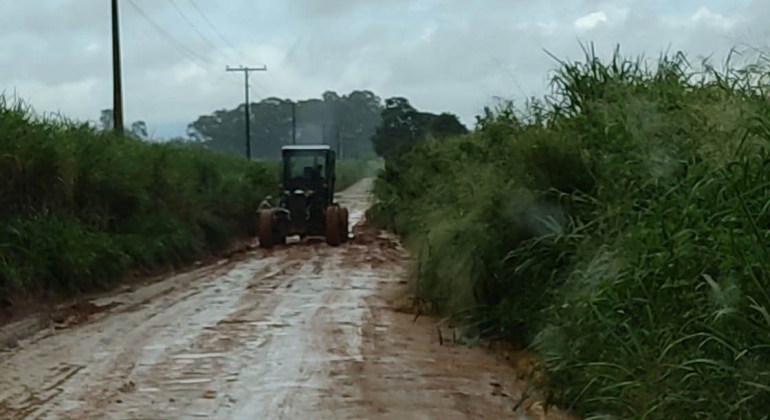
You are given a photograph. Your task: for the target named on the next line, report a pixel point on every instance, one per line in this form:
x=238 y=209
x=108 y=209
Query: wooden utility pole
x=246 y=71
x=339 y=144
x=294 y=123
x=117 y=78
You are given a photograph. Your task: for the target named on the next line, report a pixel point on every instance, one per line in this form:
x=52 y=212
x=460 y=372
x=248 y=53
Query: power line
x=168 y=36
x=192 y=25
x=217 y=31
x=214 y=28
x=187 y=52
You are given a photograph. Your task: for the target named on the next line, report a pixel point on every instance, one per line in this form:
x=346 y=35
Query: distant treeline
x=359 y=125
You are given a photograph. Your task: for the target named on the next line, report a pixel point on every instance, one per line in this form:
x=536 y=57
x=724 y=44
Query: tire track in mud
x=187 y=380
x=111 y=348
x=303 y=331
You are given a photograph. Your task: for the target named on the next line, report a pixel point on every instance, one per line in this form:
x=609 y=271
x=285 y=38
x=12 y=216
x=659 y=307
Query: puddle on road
x=198 y=356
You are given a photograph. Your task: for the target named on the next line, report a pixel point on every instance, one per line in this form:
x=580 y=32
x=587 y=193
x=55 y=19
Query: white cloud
x=427 y=33
x=590 y=21
x=704 y=17
x=617 y=14
x=93 y=47
x=548 y=28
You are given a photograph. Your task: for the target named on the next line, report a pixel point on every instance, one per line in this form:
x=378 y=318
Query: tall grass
x=619 y=227
x=78 y=207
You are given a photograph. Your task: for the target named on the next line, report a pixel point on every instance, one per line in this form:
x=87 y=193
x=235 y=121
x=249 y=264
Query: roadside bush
x=619 y=227
x=79 y=207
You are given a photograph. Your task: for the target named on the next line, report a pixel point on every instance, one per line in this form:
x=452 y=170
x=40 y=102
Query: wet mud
x=304 y=331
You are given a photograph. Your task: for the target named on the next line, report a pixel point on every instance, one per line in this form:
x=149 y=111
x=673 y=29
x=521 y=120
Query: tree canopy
x=403 y=125
x=346 y=122
x=358 y=125
x=138 y=129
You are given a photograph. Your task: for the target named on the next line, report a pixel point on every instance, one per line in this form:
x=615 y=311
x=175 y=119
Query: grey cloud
x=449 y=55
x=342 y=8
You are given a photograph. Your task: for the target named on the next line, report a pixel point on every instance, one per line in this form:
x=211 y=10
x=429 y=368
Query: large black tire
x=333 y=225
x=266 y=237
x=345 y=219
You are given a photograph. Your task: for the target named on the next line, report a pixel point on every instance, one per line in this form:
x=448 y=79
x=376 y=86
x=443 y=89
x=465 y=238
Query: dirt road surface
x=305 y=331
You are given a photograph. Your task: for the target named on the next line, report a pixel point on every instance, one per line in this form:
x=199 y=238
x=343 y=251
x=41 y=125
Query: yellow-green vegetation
x=619 y=228
x=80 y=207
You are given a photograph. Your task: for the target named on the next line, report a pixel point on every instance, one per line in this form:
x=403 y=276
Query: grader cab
x=306 y=206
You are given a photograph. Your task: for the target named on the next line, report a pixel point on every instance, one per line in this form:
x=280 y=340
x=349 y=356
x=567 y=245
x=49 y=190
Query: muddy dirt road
x=300 y=332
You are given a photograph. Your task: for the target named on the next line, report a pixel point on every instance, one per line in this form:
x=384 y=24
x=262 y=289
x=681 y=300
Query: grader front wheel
x=265 y=229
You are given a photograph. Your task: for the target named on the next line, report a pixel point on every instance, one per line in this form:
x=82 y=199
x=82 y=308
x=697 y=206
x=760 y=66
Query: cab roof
x=307 y=147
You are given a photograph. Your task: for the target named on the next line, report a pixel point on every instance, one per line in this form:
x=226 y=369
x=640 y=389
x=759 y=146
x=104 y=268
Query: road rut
x=305 y=331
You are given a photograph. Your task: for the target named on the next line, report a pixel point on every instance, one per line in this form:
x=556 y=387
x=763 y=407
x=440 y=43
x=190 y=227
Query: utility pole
x=117 y=78
x=324 y=133
x=339 y=144
x=294 y=123
x=246 y=71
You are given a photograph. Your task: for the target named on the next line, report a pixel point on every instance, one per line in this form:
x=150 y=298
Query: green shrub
x=620 y=228
x=79 y=207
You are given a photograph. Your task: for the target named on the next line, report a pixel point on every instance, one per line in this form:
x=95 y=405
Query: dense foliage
x=357 y=126
x=403 y=125
x=80 y=207
x=619 y=227
x=346 y=122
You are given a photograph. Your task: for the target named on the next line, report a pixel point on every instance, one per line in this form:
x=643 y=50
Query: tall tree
x=357 y=117
x=107 y=123
x=446 y=125
x=139 y=129
x=107 y=119
x=400 y=127
x=403 y=125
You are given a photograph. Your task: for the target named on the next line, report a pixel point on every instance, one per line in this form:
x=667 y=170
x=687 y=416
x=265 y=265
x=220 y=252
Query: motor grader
x=306 y=206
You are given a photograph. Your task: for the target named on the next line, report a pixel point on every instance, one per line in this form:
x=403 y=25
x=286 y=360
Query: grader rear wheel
x=333 y=226
x=345 y=221
x=265 y=229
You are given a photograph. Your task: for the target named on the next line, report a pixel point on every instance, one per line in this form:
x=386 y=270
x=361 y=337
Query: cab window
x=305 y=165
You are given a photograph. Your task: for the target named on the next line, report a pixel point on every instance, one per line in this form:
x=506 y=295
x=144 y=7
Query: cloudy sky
x=445 y=55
